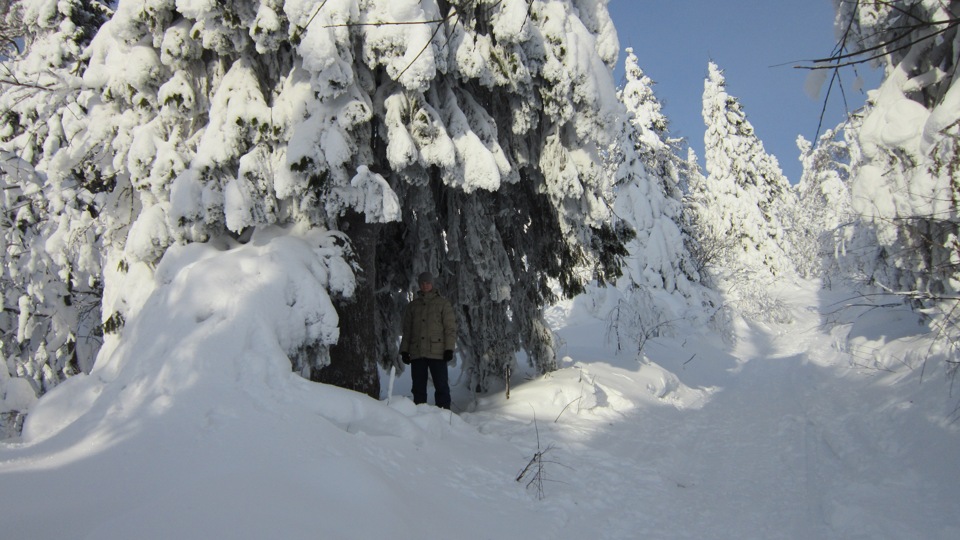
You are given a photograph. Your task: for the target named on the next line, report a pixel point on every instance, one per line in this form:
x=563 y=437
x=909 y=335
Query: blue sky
x=675 y=39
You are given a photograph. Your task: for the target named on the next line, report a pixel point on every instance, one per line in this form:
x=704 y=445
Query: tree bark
x=353 y=360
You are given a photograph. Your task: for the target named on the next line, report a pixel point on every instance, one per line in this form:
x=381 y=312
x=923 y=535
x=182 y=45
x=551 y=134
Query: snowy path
x=799 y=431
x=787 y=443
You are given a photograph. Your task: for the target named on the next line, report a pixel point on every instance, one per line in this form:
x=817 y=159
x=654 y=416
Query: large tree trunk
x=353 y=360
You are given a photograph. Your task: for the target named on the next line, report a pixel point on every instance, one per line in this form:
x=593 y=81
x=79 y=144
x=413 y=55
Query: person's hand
x=448 y=355
x=405 y=357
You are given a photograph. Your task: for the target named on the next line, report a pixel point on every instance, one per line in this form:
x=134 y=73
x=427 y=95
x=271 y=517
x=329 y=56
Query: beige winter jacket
x=429 y=327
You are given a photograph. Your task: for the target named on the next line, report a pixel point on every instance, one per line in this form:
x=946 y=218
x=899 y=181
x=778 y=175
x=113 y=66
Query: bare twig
x=565 y=408
x=535 y=465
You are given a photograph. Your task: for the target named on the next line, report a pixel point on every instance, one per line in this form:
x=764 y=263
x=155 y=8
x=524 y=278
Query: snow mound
x=220 y=316
x=195 y=413
x=192 y=425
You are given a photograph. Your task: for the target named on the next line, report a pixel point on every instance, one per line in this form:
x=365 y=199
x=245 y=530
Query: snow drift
x=192 y=425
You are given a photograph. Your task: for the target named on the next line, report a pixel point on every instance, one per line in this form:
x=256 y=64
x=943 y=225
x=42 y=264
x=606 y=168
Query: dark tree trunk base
x=353 y=360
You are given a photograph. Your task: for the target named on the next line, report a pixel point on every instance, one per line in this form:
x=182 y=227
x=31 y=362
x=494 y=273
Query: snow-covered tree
x=460 y=137
x=661 y=279
x=824 y=203
x=747 y=194
x=523 y=199
x=832 y=242
x=659 y=152
x=11 y=25
x=742 y=209
x=904 y=181
x=51 y=278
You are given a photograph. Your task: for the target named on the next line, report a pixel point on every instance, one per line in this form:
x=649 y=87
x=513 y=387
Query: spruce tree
x=521 y=206
x=742 y=210
x=458 y=137
x=661 y=279
x=743 y=206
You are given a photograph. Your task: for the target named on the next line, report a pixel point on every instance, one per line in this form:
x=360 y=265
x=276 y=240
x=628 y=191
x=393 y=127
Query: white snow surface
x=192 y=425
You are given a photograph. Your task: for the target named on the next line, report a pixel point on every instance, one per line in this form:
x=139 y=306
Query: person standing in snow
x=429 y=335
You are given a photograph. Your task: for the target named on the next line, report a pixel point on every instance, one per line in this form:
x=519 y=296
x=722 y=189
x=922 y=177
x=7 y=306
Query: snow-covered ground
x=802 y=430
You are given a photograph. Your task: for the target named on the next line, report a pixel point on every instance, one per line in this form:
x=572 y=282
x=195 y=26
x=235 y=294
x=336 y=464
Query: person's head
x=426 y=281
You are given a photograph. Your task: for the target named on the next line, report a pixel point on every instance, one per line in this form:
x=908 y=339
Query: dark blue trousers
x=438 y=372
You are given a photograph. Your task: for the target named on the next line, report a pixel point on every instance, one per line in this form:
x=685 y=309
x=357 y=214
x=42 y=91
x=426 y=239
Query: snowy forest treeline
x=482 y=140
